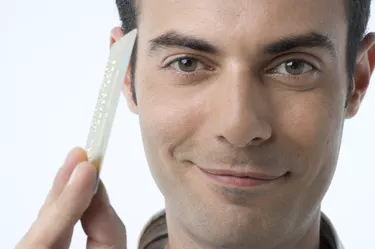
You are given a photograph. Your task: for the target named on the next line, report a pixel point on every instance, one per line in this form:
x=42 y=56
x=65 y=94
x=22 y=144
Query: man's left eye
x=294 y=67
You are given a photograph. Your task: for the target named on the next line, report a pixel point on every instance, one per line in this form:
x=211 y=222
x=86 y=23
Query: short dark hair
x=358 y=12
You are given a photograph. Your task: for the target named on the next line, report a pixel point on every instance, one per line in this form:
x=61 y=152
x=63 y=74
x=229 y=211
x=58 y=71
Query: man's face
x=242 y=87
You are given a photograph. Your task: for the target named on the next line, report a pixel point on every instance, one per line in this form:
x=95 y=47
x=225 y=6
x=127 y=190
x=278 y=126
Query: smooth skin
x=242 y=106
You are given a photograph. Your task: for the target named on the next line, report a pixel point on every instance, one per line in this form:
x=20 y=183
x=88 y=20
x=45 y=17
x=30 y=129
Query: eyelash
x=294 y=60
x=182 y=73
x=273 y=70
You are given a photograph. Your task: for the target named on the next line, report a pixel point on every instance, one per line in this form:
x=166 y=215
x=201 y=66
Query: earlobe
x=127 y=91
x=361 y=79
x=353 y=105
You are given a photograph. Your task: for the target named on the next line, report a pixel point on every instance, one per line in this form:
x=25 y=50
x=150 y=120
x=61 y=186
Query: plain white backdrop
x=52 y=59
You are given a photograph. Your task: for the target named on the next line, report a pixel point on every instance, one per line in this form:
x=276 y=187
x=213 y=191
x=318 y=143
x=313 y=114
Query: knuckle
x=120 y=224
x=122 y=227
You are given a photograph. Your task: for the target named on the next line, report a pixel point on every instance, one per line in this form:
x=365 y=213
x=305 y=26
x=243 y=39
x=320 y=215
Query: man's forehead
x=278 y=9
x=296 y=12
x=248 y=20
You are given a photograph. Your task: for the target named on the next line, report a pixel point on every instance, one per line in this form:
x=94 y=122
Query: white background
x=52 y=58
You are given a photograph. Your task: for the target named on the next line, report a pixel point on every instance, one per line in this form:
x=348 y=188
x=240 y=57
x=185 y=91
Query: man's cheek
x=164 y=125
x=307 y=122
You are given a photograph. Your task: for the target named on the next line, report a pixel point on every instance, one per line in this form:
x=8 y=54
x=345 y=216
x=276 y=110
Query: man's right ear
x=116 y=34
x=128 y=93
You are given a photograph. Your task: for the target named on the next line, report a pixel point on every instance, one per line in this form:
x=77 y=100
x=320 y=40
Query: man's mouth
x=241 y=179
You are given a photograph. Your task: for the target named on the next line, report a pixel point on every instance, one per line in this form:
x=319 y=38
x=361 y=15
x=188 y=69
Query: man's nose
x=242 y=110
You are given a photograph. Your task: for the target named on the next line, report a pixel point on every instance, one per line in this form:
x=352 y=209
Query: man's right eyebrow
x=175 y=39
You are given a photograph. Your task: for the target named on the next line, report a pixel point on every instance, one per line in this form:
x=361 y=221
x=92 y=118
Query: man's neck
x=179 y=238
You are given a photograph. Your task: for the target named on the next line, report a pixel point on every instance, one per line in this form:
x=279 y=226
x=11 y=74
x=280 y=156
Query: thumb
x=102 y=225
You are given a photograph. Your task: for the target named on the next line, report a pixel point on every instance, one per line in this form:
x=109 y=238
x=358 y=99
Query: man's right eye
x=186 y=65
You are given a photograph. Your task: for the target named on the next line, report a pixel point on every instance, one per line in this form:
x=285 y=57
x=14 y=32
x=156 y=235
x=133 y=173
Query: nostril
x=257 y=141
x=222 y=138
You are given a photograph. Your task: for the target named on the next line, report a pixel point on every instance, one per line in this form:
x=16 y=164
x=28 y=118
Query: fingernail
x=70 y=154
x=97 y=185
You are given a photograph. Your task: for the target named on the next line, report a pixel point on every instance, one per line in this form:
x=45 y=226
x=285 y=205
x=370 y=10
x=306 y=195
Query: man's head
x=250 y=88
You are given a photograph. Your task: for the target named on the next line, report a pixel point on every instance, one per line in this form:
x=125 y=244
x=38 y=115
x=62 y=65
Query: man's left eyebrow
x=309 y=40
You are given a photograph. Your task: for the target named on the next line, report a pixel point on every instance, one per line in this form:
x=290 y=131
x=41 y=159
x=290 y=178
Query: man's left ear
x=363 y=70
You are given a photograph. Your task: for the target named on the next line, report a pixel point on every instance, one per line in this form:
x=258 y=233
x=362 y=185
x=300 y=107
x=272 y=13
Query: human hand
x=72 y=199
